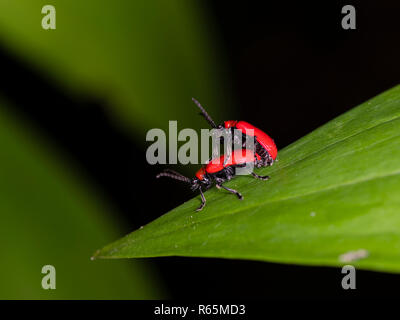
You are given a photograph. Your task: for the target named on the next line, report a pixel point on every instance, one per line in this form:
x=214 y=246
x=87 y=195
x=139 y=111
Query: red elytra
x=241 y=156
x=265 y=140
x=217 y=172
x=265 y=146
x=222 y=168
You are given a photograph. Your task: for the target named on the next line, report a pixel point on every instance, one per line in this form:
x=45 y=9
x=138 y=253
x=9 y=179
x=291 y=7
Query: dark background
x=292 y=68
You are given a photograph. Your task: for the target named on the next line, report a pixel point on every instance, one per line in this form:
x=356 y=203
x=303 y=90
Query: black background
x=292 y=68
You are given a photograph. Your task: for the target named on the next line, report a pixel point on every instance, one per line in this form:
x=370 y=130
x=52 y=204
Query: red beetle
x=264 y=145
x=218 y=171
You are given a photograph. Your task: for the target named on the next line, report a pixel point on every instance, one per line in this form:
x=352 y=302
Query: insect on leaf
x=333 y=199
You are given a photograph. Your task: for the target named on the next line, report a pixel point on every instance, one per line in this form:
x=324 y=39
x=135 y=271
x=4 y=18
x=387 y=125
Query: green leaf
x=333 y=199
x=144 y=60
x=49 y=216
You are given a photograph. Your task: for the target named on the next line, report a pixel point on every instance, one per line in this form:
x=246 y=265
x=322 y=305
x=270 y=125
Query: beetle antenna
x=176 y=176
x=204 y=113
x=174 y=172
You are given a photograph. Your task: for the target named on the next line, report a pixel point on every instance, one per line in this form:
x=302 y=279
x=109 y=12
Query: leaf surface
x=333 y=199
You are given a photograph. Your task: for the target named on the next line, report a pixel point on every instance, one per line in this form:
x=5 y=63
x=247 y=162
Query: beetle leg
x=259 y=177
x=257 y=163
x=232 y=191
x=203 y=201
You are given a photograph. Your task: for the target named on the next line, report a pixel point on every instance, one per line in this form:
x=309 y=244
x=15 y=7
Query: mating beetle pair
x=219 y=170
